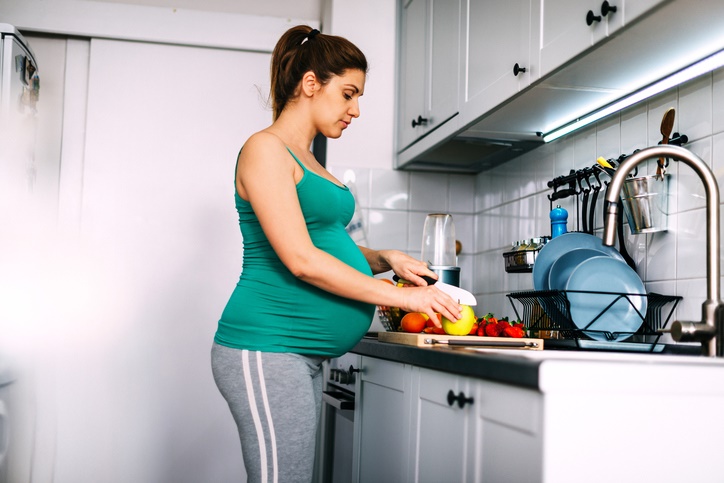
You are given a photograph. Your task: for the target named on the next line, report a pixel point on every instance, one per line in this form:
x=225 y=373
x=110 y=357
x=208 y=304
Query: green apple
x=462 y=326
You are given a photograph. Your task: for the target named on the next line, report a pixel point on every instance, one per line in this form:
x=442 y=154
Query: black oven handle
x=338 y=399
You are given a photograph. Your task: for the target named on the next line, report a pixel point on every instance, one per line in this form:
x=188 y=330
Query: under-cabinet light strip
x=702 y=67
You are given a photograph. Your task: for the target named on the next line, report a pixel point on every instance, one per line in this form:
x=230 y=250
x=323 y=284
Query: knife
x=458 y=294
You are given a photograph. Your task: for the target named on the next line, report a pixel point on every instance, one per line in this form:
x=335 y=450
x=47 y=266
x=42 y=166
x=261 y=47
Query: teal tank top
x=270 y=309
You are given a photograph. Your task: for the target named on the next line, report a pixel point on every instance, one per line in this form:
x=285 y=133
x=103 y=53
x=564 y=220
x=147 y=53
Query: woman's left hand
x=407 y=267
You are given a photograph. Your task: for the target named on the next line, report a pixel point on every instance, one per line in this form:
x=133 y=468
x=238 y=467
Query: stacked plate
x=594 y=277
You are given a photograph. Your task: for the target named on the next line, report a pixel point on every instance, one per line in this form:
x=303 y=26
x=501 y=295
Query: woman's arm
x=266 y=174
x=403 y=265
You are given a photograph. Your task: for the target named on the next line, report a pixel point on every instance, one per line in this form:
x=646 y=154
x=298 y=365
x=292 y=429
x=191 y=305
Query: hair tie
x=313 y=33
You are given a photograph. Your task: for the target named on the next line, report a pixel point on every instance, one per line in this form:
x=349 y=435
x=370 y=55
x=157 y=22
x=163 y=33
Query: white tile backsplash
x=695 y=108
x=717 y=102
x=429 y=192
x=389 y=189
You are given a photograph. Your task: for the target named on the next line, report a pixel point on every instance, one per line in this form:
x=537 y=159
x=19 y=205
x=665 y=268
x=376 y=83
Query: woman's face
x=338 y=102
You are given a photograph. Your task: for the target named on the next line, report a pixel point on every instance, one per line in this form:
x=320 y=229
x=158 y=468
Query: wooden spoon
x=667 y=125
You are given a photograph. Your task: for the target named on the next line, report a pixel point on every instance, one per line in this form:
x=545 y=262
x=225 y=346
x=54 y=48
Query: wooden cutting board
x=419 y=340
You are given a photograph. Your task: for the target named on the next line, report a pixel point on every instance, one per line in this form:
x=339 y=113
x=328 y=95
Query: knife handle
x=429 y=280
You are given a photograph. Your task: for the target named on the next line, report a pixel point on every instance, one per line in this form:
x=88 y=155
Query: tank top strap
x=296 y=159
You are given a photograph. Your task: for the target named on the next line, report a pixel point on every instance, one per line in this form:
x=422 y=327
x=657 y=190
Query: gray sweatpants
x=275 y=399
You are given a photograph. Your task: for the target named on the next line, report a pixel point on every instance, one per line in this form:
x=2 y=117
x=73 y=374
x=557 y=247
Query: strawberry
x=502 y=325
x=474 y=329
x=481 y=330
x=512 y=331
x=492 y=330
x=519 y=324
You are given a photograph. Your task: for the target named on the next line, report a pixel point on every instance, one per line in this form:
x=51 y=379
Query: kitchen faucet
x=709 y=330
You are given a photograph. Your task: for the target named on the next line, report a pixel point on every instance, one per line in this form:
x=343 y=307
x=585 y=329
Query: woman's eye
x=347 y=96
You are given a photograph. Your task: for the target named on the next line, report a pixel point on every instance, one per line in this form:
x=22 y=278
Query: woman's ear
x=310 y=85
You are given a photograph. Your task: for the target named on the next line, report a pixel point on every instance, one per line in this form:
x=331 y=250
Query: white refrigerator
x=19 y=88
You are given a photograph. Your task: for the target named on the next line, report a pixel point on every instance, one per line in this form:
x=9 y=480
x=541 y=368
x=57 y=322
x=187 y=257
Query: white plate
x=566 y=263
x=606 y=274
x=561 y=245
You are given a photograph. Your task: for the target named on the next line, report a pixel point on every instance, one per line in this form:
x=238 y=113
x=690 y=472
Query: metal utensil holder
x=646 y=203
x=547 y=313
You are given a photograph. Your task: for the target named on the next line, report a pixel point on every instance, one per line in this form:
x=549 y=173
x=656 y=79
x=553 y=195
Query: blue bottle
x=559 y=221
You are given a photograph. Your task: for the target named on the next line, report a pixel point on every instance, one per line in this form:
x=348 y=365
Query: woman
x=306 y=291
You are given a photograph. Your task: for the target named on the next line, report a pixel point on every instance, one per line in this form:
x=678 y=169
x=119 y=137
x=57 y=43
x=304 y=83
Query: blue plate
x=561 y=245
x=566 y=263
x=591 y=311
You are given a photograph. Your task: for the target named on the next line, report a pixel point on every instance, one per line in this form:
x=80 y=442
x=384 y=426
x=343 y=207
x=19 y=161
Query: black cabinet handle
x=352 y=370
x=460 y=398
x=591 y=17
x=421 y=121
x=607 y=8
x=517 y=69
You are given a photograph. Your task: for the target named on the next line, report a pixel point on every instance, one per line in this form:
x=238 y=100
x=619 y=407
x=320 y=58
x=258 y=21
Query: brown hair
x=302 y=49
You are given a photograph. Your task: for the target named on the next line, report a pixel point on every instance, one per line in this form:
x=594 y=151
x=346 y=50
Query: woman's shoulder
x=264 y=149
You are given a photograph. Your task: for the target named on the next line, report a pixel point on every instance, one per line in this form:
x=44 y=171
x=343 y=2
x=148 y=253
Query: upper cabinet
x=570 y=27
x=501 y=46
x=429 y=67
x=526 y=67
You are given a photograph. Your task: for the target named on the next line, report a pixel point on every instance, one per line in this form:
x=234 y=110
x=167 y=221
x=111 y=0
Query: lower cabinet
x=420 y=425
x=443 y=408
x=508 y=434
x=382 y=420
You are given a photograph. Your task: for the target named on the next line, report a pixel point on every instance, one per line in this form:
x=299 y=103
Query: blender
x=438 y=247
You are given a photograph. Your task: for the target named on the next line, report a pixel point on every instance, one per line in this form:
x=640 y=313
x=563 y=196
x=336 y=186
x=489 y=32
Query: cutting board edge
x=418 y=340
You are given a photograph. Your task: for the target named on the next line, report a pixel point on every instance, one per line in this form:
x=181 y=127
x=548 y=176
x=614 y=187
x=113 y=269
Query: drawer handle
x=607 y=8
x=460 y=398
x=421 y=121
x=517 y=69
x=591 y=17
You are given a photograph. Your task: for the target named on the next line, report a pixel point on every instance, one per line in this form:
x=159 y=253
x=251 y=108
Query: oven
x=335 y=449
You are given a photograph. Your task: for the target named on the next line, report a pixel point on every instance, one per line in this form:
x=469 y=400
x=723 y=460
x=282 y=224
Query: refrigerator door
x=19 y=88
x=19 y=83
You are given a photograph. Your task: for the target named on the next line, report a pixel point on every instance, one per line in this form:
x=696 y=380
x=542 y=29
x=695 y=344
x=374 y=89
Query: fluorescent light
x=702 y=67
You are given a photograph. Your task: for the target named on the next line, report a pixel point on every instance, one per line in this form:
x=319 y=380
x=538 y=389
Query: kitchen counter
x=566 y=415
x=533 y=369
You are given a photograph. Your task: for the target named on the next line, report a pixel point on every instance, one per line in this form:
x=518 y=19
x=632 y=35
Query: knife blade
x=462 y=296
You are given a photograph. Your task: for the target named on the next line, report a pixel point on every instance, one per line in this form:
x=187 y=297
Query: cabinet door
x=508 y=442
x=444 y=73
x=565 y=32
x=440 y=431
x=498 y=36
x=382 y=437
x=413 y=69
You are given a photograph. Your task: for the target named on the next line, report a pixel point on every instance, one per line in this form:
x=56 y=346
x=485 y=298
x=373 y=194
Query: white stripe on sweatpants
x=267 y=410
x=257 y=419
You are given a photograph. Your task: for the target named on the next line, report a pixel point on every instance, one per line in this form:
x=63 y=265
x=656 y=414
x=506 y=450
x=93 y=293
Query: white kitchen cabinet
x=507 y=426
x=382 y=417
x=442 y=408
x=501 y=52
x=569 y=27
x=429 y=67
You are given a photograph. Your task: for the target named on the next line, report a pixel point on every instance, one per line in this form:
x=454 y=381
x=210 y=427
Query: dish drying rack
x=547 y=314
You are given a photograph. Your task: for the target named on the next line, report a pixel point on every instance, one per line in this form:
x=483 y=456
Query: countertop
x=527 y=368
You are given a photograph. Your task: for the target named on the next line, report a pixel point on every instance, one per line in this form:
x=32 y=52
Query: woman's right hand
x=430 y=300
